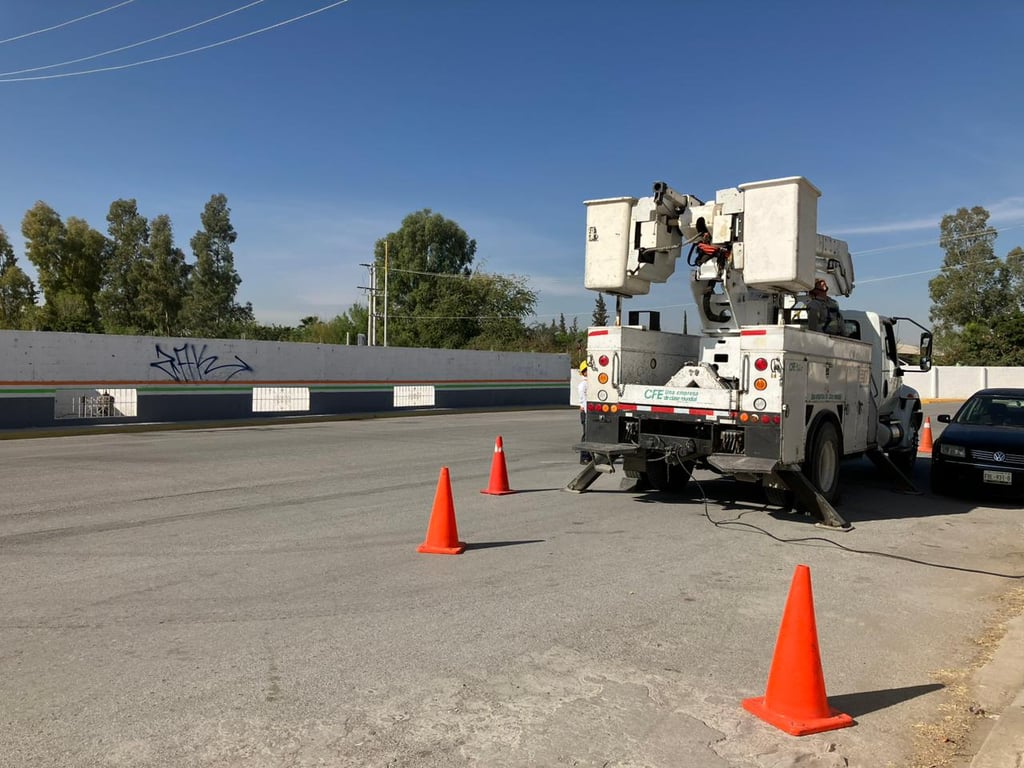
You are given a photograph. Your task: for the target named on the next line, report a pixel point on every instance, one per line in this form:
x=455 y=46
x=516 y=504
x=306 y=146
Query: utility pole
x=385 y=293
x=371 y=320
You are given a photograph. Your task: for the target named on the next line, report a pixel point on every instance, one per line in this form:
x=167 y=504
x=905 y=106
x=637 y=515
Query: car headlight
x=957 y=451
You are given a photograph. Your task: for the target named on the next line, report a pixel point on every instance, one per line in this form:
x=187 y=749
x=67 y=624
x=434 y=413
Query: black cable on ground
x=806 y=539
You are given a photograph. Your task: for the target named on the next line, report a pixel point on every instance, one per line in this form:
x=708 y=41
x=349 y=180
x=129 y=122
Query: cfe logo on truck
x=671 y=395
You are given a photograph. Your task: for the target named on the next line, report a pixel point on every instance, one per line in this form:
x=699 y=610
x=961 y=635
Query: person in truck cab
x=822 y=311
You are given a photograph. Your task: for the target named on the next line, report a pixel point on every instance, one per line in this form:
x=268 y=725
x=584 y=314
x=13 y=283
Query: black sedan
x=982 y=446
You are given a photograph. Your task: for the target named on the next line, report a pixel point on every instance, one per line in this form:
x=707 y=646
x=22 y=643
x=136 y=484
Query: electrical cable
x=133 y=45
x=67 y=23
x=807 y=539
x=179 y=54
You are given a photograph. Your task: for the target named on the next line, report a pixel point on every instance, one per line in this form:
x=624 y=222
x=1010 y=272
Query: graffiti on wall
x=191 y=362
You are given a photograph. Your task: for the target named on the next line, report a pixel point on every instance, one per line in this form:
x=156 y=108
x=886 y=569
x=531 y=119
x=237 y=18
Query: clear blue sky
x=505 y=116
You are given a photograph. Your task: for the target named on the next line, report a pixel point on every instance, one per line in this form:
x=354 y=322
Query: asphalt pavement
x=253 y=597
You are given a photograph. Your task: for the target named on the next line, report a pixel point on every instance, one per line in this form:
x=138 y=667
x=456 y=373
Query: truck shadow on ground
x=865 y=494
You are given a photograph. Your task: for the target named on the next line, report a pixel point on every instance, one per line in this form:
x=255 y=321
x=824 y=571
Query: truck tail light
x=761 y=364
x=602 y=360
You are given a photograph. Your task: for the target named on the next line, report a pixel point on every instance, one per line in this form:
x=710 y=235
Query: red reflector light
x=761 y=364
x=776 y=419
x=602 y=360
x=766 y=419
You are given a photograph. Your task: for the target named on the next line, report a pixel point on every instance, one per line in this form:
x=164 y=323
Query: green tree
x=210 y=308
x=976 y=293
x=343 y=329
x=501 y=302
x=125 y=272
x=161 y=277
x=423 y=261
x=435 y=299
x=600 y=316
x=17 y=291
x=69 y=260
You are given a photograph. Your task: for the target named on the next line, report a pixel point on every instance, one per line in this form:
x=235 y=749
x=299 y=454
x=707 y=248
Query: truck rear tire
x=780 y=497
x=904 y=461
x=671 y=478
x=821 y=467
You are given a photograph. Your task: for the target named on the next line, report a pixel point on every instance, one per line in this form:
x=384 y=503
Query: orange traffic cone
x=499 y=473
x=442 y=533
x=925 y=446
x=795 y=699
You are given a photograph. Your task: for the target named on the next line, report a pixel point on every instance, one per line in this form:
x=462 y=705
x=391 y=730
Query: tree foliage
x=136 y=280
x=69 y=260
x=162 y=276
x=17 y=291
x=600 y=316
x=124 y=272
x=210 y=309
x=343 y=329
x=435 y=299
x=978 y=298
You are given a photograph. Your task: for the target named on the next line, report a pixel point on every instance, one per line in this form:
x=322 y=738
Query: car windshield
x=993 y=411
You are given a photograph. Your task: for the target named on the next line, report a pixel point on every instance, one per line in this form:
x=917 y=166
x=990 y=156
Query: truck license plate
x=1002 y=478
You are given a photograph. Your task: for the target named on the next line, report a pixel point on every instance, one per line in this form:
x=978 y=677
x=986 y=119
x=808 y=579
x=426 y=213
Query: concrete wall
x=54 y=379
x=951 y=382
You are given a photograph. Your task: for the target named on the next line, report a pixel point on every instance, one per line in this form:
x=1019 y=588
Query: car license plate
x=1002 y=478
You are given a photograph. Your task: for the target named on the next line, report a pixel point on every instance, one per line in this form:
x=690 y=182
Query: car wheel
x=821 y=467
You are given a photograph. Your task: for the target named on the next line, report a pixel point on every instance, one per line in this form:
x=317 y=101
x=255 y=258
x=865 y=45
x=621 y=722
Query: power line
x=201 y=48
x=66 y=23
x=887 y=248
x=133 y=45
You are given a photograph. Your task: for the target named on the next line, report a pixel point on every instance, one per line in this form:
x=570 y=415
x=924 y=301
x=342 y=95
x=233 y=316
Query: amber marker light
x=760 y=384
x=602 y=378
x=744 y=417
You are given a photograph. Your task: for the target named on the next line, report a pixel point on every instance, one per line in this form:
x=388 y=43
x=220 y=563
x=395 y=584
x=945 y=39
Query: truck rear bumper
x=612 y=450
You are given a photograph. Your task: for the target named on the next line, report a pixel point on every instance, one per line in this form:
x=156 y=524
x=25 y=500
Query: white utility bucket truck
x=759 y=395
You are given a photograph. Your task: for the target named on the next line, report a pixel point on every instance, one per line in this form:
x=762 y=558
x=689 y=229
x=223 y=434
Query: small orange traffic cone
x=499 y=473
x=794 y=700
x=925 y=446
x=442 y=533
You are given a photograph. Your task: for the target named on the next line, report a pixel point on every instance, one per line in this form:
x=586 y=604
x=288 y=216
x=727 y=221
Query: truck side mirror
x=925 y=352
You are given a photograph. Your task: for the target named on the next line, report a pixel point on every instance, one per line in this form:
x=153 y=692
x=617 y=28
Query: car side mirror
x=945 y=418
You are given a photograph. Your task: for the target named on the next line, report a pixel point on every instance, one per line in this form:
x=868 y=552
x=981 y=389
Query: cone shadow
x=492 y=544
x=858 y=704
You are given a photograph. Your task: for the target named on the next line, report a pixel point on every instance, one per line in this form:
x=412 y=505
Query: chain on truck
x=761 y=394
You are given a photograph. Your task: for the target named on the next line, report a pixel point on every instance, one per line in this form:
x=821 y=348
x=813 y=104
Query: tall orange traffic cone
x=795 y=699
x=499 y=473
x=925 y=446
x=442 y=533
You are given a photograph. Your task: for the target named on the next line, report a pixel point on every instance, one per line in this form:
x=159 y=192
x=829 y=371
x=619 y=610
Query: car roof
x=1001 y=392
